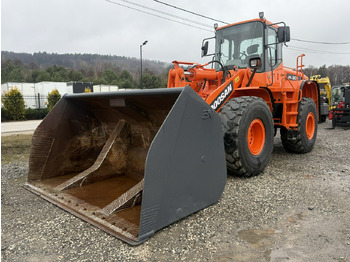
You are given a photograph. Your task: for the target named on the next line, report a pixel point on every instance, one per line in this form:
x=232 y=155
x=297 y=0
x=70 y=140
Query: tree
x=12 y=71
x=125 y=75
x=53 y=98
x=310 y=71
x=76 y=76
x=110 y=76
x=323 y=71
x=149 y=80
x=339 y=74
x=58 y=73
x=42 y=76
x=14 y=104
x=126 y=84
x=126 y=81
x=99 y=81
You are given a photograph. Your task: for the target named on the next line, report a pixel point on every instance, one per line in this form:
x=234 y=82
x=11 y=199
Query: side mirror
x=255 y=62
x=205 y=48
x=283 y=34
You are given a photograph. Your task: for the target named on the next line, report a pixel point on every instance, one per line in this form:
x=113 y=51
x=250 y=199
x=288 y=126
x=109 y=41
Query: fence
x=35 y=102
x=36 y=108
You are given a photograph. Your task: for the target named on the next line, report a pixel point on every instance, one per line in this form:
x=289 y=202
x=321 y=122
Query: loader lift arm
x=250 y=64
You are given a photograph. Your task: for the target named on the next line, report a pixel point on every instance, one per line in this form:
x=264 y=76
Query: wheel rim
x=310 y=125
x=256 y=137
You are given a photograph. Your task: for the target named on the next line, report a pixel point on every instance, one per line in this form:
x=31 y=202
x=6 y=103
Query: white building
x=35 y=92
x=44 y=88
x=27 y=89
x=105 y=88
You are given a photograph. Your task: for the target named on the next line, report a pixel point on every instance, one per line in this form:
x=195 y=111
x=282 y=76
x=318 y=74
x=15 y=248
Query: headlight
x=255 y=62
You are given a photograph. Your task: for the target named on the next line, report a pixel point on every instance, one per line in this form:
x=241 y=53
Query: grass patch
x=15 y=148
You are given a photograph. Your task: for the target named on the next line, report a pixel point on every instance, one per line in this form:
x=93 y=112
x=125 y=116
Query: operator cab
x=237 y=44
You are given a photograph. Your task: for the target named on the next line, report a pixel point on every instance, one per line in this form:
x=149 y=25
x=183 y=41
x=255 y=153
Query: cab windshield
x=237 y=44
x=337 y=96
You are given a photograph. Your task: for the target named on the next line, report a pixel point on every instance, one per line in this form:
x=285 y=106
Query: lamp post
x=144 y=43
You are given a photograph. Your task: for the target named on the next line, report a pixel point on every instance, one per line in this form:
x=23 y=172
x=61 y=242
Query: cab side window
x=274 y=50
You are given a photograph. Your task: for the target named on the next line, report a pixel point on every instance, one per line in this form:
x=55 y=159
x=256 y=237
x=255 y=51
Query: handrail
x=300 y=66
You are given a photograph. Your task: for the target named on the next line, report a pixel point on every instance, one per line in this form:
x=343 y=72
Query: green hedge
x=4 y=115
x=30 y=114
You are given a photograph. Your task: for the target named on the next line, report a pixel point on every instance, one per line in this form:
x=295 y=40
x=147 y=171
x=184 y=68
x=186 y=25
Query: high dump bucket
x=129 y=162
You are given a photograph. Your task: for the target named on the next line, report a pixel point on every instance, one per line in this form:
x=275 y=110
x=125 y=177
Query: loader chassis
x=248 y=63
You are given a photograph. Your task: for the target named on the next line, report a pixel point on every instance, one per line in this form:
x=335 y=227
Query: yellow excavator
x=325 y=94
x=325 y=87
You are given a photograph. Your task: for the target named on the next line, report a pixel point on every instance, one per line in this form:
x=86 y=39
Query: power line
x=187 y=11
x=296 y=48
x=216 y=20
x=165 y=13
x=169 y=19
x=213 y=19
x=166 y=18
x=324 y=43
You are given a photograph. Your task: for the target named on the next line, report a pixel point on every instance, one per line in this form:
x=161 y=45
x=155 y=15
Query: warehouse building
x=35 y=94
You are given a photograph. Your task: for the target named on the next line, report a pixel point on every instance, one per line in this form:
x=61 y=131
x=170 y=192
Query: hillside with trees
x=99 y=69
x=114 y=70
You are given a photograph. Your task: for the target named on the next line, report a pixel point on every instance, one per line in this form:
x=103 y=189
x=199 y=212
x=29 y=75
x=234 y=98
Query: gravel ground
x=297 y=210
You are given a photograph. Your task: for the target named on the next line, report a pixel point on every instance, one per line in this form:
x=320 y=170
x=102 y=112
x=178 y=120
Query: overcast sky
x=102 y=27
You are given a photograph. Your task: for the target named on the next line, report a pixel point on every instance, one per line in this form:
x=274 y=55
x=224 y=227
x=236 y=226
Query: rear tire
x=248 y=135
x=305 y=137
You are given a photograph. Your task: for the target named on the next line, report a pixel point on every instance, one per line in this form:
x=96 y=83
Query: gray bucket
x=129 y=162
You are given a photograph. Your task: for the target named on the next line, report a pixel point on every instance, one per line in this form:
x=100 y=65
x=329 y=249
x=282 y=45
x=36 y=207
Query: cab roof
x=246 y=21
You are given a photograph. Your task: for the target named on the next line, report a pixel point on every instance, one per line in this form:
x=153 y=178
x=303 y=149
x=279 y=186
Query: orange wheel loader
x=133 y=162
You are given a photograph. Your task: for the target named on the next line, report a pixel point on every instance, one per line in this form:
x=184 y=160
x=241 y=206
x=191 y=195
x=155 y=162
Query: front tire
x=304 y=138
x=248 y=135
